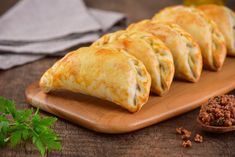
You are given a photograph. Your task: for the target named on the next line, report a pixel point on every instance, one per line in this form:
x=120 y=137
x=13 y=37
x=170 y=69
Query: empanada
x=102 y=72
x=150 y=50
x=204 y=31
x=185 y=51
x=225 y=20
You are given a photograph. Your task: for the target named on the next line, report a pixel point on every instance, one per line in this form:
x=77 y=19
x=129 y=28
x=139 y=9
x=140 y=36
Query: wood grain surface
x=106 y=117
x=156 y=140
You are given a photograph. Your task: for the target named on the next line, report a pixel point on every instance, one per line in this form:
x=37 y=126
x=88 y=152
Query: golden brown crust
x=105 y=73
x=186 y=52
x=225 y=20
x=203 y=30
x=150 y=50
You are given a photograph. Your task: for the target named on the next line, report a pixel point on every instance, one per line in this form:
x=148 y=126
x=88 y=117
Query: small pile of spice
x=186 y=135
x=184 y=132
x=219 y=111
x=198 y=138
x=187 y=143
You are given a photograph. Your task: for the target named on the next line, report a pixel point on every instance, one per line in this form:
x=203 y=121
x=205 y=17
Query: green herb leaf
x=38 y=143
x=2 y=140
x=25 y=134
x=15 y=138
x=23 y=115
x=18 y=125
x=4 y=127
x=50 y=140
x=48 y=121
x=7 y=106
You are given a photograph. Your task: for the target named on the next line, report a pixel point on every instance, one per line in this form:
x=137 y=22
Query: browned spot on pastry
x=105 y=51
x=126 y=43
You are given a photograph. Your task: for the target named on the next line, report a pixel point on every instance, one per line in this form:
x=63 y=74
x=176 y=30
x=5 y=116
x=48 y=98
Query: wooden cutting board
x=103 y=116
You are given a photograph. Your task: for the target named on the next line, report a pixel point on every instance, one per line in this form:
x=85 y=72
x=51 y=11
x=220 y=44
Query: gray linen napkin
x=33 y=27
x=10 y=60
x=34 y=20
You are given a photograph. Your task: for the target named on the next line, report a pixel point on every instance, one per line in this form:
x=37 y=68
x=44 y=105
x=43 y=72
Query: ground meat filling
x=139 y=78
x=187 y=143
x=198 y=138
x=219 y=111
x=184 y=132
x=191 y=60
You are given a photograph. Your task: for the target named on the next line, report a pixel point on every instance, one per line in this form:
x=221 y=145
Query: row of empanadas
x=150 y=50
x=122 y=67
x=185 y=51
x=203 y=30
x=225 y=20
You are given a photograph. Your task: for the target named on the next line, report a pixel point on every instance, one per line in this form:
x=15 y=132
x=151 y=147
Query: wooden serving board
x=104 y=116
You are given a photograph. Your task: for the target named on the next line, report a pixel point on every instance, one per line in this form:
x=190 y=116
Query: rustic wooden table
x=156 y=140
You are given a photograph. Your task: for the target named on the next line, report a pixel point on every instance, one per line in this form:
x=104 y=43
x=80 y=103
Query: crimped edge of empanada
x=195 y=57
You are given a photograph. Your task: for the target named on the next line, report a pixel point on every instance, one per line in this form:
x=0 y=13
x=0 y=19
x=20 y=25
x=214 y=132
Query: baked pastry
x=150 y=50
x=105 y=73
x=225 y=20
x=185 y=51
x=204 y=31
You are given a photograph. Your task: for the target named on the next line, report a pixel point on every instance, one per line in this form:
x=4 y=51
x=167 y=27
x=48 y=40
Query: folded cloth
x=33 y=27
x=49 y=46
x=10 y=60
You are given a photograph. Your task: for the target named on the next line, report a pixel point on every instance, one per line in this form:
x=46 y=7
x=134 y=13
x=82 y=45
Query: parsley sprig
x=22 y=125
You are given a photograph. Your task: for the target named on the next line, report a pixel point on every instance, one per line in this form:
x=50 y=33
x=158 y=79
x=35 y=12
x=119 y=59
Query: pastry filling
x=138 y=86
x=163 y=70
x=139 y=77
x=161 y=65
x=191 y=52
x=191 y=60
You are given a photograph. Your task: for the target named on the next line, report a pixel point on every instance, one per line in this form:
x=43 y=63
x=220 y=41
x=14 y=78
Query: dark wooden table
x=156 y=140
